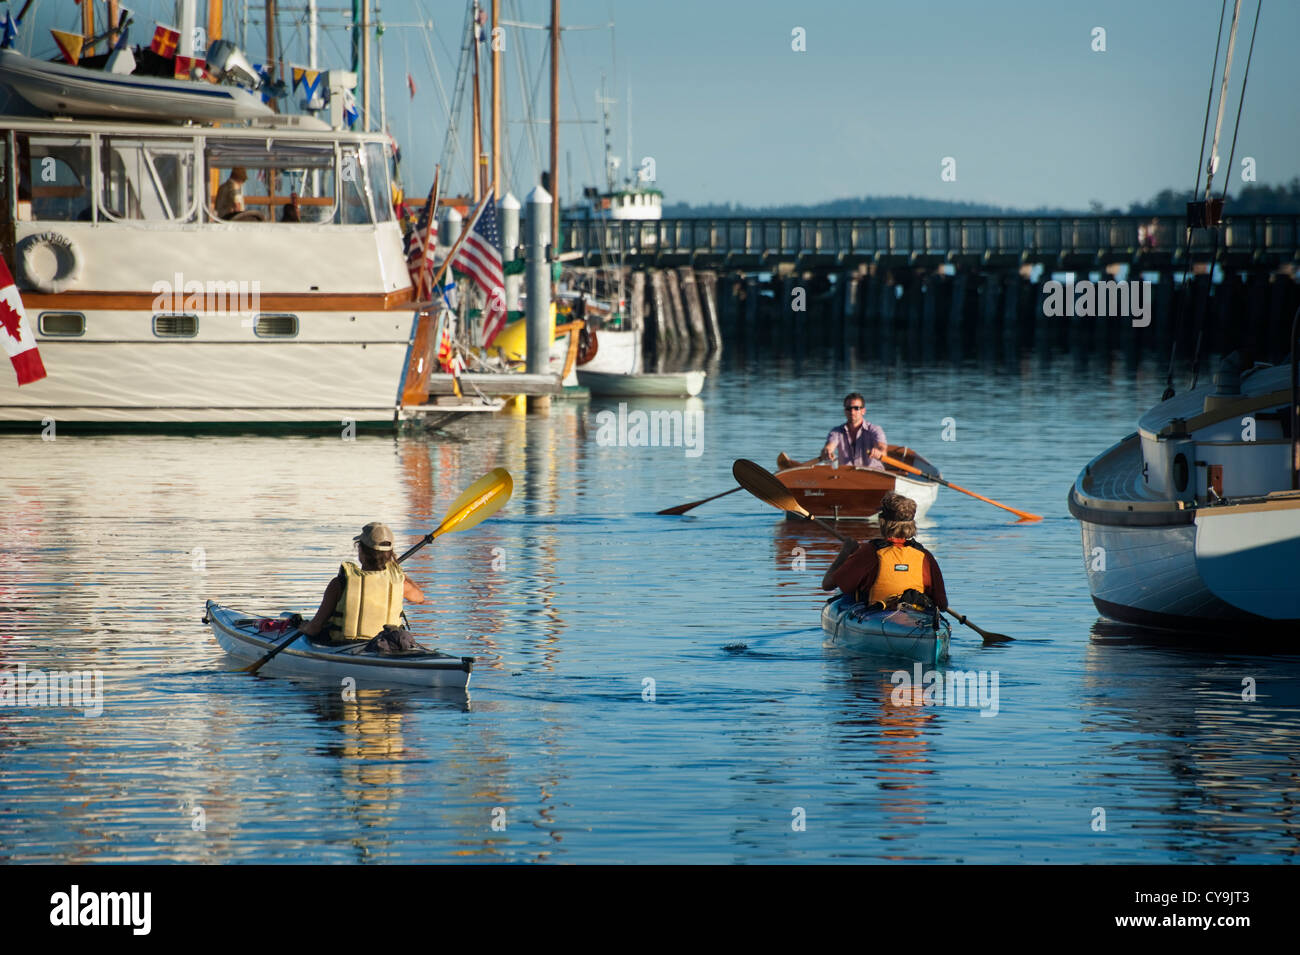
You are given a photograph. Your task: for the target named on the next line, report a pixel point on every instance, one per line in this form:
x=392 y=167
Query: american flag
x=480 y=258
x=418 y=260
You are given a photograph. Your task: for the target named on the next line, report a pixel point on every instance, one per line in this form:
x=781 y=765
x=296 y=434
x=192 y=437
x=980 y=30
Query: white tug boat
x=1193 y=522
x=152 y=310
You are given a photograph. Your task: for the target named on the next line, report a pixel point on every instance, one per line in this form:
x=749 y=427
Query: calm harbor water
x=573 y=599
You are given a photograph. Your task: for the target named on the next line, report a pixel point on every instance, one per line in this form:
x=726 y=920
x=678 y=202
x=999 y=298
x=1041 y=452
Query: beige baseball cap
x=376 y=536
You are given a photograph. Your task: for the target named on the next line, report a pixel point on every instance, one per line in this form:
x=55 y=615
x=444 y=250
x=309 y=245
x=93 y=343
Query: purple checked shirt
x=857 y=453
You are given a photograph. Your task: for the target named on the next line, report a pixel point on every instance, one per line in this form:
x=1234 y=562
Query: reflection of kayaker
x=880 y=572
x=364 y=599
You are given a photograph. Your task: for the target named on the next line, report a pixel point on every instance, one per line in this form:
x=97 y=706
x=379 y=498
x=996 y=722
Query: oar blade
x=765 y=486
x=478 y=502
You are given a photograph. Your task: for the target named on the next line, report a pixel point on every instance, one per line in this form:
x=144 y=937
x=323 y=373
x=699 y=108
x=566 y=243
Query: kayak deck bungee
x=904 y=633
x=239 y=635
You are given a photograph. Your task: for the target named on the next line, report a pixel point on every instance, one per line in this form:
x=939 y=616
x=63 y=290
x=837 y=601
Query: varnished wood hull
x=855 y=493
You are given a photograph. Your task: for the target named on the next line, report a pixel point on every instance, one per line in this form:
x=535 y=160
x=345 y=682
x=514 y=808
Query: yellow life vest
x=902 y=567
x=371 y=599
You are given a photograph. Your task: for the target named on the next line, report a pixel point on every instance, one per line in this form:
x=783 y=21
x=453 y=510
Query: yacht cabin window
x=147 y=179
x=282 y=175
x=54 y=178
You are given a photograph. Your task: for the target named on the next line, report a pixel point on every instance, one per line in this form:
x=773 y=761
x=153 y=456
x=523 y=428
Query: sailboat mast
x=555 y=126
x=215 y=14
x=365 y=63
x=496 y=102
x=88 y=25
x=379 y=50
x=476 y=144
x=1223 y=93
x=313 y=34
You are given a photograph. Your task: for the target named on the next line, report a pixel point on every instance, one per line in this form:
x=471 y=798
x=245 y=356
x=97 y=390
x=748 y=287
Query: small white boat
x=681 y=384
x=240 y=635
x=65 y=90
x=1191 y=523
x=904 y=633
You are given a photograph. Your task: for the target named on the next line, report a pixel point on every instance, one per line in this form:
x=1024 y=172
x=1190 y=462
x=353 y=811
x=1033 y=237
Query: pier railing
x=1076 y=240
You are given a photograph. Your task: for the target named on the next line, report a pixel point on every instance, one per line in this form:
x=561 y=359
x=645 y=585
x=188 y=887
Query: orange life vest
x=902 y=567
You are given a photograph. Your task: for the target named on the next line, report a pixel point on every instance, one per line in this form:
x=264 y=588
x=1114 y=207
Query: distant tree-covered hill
x=1253 y=199
x=865 y=206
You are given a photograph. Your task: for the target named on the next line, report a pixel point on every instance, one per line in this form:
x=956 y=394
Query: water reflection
x=1220 y=727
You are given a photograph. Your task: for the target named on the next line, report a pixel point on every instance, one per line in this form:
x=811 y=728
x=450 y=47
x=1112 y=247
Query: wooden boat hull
x=685 y=384
x=902 y=634
x=856 y=493
x=237 y=634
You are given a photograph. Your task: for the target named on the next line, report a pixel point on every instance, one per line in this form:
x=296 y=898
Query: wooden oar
x=765 y=486
x=895 y=463
x=683 y=508
x=478 y=502
x=782 y=462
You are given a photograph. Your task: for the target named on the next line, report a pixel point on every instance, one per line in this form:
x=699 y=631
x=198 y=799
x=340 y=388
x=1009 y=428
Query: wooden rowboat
x=855 y=493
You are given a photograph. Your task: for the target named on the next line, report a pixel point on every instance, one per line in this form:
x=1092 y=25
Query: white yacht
x=153 y=311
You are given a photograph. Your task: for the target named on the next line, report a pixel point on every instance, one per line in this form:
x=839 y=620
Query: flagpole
x=464 y=234
x=431 y=234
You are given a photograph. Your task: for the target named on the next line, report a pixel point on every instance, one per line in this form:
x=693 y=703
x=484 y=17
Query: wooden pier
x=945 y=287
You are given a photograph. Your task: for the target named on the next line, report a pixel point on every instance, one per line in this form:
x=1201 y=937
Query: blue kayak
x=905 y=633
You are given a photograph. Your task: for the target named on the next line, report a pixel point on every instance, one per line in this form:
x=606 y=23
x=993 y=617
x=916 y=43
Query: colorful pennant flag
x=70 y=45
x=165 y=41
x=8 y=30
x=186 y=65
x=309 y=80
x=410 y=84
x=17 y=336
x=350 y=111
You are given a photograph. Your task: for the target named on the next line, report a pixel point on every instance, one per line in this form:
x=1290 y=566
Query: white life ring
x=49 y=262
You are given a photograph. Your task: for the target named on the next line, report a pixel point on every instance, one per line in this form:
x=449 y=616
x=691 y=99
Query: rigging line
x=529 y=102
x=433 y=60
x=586 y=147
x=1227 y=178
x=1187 y=229
x=1209 y=100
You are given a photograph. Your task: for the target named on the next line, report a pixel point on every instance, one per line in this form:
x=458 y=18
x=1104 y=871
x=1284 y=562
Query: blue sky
x=883 y=92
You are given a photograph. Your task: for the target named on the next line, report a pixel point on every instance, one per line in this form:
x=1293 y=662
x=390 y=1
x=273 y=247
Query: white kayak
x=903 y=633
x=240 y=635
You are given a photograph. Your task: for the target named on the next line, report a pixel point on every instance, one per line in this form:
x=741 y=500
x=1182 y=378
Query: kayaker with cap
x=365 y=598
x=880 y=571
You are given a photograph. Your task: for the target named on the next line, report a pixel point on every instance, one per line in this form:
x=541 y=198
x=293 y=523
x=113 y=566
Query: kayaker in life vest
x=880 y=571
x=364 y=598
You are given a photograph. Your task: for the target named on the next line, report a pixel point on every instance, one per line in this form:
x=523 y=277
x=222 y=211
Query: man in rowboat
x=879 y=572
x=364 y=600
x=856 y=443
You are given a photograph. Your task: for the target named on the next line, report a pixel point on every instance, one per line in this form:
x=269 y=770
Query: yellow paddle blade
x=478 y=502
x=764 y=485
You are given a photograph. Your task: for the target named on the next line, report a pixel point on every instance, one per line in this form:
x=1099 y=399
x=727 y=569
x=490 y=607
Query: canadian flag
x=17 y=336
